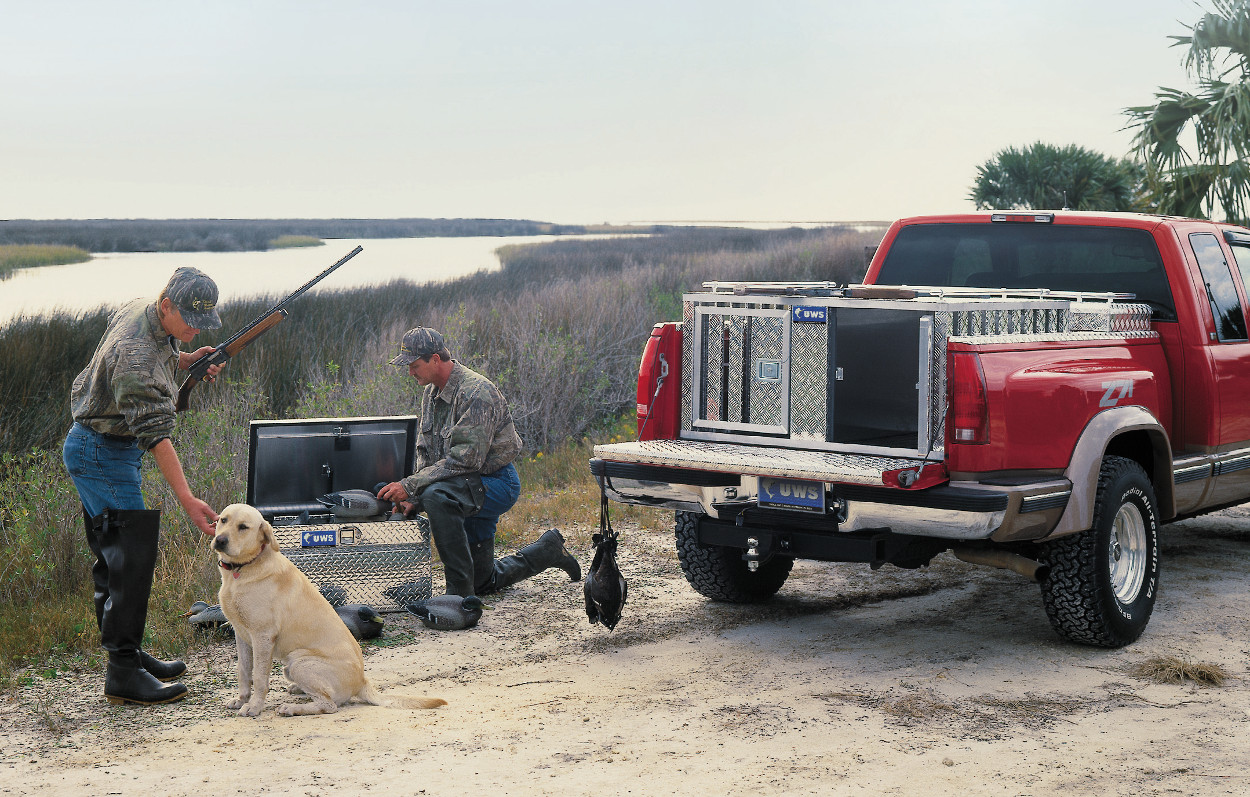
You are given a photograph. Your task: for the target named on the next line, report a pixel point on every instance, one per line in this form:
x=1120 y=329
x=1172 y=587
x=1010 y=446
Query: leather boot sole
x=121 y=701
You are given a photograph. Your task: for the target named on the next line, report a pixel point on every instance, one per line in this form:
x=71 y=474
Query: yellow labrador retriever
x=277 y=613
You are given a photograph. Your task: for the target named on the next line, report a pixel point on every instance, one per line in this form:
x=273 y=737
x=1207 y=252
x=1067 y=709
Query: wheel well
x=1149 y=449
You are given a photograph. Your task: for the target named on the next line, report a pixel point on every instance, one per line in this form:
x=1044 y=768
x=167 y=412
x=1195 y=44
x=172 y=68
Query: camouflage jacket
x=129 y=388
x=465 y=428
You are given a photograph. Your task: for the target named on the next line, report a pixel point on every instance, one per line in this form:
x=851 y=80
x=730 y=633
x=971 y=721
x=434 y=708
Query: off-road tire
x=719 y=572
x=1102 y=583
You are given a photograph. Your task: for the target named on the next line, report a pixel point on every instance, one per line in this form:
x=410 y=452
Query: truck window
x=1230 y=322
x=1242 y=255
x=1057 y=256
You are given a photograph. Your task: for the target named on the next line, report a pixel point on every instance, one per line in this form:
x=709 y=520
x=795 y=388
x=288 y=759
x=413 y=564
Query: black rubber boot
x=483 y=566
x=170 y=670
x=547 y=551
x=163 y=670
x=127 y=540
x=99 y=570
x=446 y=514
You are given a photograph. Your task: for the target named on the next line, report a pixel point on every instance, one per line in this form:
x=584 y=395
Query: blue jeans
x=503 y=488
x=105 y=470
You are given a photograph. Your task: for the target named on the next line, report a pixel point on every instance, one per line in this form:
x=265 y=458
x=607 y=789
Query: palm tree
x=1215 y=116
x=1044 y=176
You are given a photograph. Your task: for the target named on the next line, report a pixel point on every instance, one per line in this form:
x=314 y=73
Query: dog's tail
x=373 y=697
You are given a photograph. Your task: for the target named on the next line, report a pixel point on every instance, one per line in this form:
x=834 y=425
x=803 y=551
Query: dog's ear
x=267 y=534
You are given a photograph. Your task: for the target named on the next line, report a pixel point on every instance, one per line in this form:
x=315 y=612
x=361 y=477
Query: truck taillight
x=967 y=417
x=659 y=384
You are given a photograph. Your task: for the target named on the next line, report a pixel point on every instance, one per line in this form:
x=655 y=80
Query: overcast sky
x=571 y=112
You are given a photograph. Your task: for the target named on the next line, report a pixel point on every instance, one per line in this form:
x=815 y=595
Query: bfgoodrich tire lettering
x=1102 y=583
x=719 y=572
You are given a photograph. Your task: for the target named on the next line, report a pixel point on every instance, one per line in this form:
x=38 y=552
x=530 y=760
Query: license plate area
x=791 y=494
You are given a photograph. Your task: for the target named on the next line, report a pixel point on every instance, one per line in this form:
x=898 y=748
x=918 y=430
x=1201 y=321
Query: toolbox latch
x=342 y=439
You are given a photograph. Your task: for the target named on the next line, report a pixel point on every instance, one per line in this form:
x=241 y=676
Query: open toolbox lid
x=290 y=463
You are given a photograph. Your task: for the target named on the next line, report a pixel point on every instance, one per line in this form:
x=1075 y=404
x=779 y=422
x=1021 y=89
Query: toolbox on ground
x=291 y=463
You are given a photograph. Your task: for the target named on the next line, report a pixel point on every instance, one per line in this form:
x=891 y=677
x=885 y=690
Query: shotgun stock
x=244 y=337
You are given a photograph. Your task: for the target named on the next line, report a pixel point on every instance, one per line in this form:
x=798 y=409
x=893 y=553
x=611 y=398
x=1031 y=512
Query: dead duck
x=448 y=612
x=605 y=587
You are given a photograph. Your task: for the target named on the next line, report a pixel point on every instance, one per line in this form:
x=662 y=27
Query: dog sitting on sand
x=277 y=613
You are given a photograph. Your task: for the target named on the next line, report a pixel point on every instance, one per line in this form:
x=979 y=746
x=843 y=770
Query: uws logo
x=314 y=538
x=804 y=314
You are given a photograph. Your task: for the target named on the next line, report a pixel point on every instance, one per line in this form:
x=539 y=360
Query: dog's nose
x=220 y=542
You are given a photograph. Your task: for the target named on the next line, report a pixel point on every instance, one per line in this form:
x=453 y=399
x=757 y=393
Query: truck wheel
x=1102 y=583
x=719 y=573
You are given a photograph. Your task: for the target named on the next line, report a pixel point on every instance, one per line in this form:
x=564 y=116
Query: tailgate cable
x=659 y=383
x=908 y=477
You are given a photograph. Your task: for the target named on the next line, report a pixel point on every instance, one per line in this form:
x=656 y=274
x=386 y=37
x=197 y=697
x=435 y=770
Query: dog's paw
x=236 y=704
x=251 y=709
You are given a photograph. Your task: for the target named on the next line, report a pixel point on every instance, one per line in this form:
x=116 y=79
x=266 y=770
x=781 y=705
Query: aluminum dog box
x=291 y=463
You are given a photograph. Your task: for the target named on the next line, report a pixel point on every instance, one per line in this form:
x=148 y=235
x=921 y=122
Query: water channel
x=112 y=278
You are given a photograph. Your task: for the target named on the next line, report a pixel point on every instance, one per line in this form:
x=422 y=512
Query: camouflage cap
x=195 y=293
x=418 y=344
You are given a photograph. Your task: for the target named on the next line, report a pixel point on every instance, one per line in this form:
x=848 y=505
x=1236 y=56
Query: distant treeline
x=238 y=235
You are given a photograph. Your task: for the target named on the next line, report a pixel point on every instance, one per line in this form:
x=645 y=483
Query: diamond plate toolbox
x=383 y=563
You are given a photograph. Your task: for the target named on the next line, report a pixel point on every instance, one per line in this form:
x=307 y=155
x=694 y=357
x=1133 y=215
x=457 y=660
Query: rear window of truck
x=1056 y=256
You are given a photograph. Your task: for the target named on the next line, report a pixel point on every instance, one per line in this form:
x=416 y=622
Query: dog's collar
x=237 y=566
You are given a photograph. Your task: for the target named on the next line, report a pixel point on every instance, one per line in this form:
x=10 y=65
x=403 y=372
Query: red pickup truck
x=1028 y=390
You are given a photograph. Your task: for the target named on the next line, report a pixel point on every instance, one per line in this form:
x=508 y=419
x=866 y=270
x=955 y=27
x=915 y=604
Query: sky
x=575 y=112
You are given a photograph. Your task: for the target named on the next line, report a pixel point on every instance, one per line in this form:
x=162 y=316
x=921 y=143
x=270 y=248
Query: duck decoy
x=363 y=621
x=448 y=612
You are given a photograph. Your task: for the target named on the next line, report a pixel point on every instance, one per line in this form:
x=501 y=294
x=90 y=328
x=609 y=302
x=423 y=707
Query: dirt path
x=946 y=680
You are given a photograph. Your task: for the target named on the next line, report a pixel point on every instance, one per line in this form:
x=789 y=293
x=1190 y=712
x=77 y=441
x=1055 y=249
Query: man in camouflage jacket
x=464 y=478
x=123 y=406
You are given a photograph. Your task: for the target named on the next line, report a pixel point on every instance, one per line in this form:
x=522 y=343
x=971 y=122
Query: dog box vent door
x=742 y=374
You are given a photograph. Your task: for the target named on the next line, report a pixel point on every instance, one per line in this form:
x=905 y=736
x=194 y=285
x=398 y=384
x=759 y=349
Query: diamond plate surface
x=756 y=460
x=392 y=556
x=737 y=326
x=809 y=386
x=767 y=405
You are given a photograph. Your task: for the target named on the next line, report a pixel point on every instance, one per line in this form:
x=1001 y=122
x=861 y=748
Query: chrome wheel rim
x=1126 y=553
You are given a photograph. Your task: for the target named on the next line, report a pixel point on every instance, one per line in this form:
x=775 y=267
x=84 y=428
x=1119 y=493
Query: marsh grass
x=560 y=329
x=291 y=241
x=1169 y=669
x=15 y=256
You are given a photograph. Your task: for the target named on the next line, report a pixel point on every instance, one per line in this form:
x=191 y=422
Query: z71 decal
x=1115 y=390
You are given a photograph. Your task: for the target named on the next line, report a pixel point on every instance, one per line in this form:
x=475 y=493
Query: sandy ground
x=946 y=680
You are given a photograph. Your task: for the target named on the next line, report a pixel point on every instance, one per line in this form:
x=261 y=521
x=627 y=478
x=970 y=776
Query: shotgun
x=262 y=324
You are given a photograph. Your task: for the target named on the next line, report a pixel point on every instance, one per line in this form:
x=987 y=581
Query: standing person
x=464 y=477
x=123 y=405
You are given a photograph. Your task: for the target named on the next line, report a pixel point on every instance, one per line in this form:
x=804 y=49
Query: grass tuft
x=1175 y=670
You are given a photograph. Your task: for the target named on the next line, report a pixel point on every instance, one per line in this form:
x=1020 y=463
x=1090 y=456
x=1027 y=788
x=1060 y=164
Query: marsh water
x=109 y=279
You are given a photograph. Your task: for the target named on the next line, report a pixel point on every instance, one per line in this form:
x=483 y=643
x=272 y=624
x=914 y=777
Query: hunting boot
x=128 y=544
x=163 y=670
x=446 y=510
x=547 y=551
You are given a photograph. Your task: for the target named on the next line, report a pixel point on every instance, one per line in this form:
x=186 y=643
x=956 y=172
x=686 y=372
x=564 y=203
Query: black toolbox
x=383 y=563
